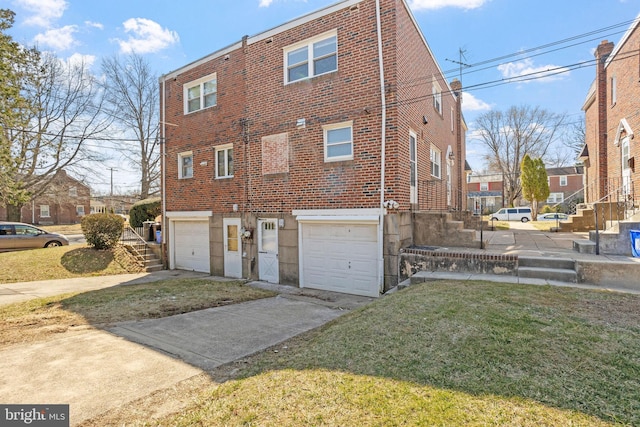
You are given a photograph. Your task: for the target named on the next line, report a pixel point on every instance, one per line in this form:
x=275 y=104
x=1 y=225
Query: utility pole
x=112 y=169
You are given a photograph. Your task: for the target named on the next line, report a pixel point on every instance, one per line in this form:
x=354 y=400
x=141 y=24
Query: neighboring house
x=65 y=201
x=611 y=112
x=565 y=184
x=113 y=204
x=277 y=147
x=485 y=193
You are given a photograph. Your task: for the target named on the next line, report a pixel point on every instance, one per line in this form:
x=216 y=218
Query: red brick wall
x=254 y=102
x=626 y=69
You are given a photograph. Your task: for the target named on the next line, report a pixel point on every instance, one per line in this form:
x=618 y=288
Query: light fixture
x=424 y=120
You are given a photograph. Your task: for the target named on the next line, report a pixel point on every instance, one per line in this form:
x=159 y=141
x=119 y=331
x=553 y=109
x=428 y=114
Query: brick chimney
x=603 y=51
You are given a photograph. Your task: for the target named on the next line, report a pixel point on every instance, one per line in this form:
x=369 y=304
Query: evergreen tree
x=535 y=185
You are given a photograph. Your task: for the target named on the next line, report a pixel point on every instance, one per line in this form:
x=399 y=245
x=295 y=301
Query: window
x=563 y=181
x=224 y=161
x=413 y=165
x=435 y=162
x=44 y=211
x=200 y=94
x=73 y=192
x=555 y=198
x=311 y=58
x=613 y=91
x=185 y=165
x=338 y=142
x=452 y=119
x=484 y=186
x=437 y=96
x=79 y=210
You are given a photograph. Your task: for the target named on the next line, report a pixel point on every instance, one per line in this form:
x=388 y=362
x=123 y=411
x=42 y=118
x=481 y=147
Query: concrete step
x=559 y=274
x=584 y=246
x=547 y=262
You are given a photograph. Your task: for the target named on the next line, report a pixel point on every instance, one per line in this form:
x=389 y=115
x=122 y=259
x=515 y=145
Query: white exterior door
x=268 y=266
x=626 y=170
x=340 y=257
x=191 y=245
x=232 y=248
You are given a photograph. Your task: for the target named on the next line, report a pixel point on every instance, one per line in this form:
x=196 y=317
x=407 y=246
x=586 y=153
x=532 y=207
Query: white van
x=512 y=214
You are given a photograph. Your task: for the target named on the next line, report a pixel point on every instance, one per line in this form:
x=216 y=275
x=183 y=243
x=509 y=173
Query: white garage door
x=340 y=257
x=191 y=245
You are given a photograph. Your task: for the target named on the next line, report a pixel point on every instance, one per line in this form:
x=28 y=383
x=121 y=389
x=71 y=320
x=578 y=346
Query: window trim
x=73 y=191
x=308 y=43
x=563 y=181
x=80 y=210
x=181 y=157
x=48 y=211
x=439 y=161
x=436 y=92
x=224 y=148
x=485 y=185
x=614 y=91
x=199 y=82
x=335 y=126
x=413 y=166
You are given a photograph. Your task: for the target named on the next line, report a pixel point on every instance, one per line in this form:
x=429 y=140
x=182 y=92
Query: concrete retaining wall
x=605 y=273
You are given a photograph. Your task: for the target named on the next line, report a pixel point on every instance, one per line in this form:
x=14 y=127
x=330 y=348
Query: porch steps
x=560 y=269
x=147 y=257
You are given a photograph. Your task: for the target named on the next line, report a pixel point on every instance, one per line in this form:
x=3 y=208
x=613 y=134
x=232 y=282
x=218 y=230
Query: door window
x=232 y=238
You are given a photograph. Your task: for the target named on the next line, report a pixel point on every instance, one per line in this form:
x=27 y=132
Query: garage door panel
x=340 y=257
x=191 y=245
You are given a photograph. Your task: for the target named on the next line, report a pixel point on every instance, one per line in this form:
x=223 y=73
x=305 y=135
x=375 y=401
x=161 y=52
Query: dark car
x=16 y=236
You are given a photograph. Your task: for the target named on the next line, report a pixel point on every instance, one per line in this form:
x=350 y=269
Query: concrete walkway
x=98 y=370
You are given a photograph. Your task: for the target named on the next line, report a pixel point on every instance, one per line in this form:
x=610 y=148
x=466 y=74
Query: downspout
x=383 y=136
x=165 y=229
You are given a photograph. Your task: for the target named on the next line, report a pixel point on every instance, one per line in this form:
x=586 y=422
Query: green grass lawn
x=446 y=353
x=64 y=262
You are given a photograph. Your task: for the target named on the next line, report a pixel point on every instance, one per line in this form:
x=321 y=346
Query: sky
x=500 y=40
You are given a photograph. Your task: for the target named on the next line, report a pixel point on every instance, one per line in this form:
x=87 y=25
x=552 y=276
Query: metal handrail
x=130 y=238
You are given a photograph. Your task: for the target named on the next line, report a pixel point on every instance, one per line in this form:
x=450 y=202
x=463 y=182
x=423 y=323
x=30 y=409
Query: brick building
x=565 y=183
x=65 y=201
x=611 y=112
x=277 y=147
x=485 y=192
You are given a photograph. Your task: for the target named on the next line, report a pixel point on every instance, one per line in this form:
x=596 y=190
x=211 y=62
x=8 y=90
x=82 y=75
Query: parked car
x=512 y=214
x=16 y=236
x=553 y=217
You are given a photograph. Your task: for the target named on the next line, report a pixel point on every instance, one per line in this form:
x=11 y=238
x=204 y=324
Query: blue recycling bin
x=158 y=236
x=635 y=242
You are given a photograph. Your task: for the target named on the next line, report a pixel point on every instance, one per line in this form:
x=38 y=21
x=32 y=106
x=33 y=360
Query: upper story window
x=44 y=211
x=73 y=192
x=563 y=181
x=484 y=186
x=614 y=94
x=435 y=162
x=311 y=58
x=436 y=91
x=338 y=142
x=224 y=161
x=201 y=93
x=80 y=210
x=185 y=165
x=452 y=120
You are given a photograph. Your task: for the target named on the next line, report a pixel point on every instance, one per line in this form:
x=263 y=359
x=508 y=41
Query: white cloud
x=439 y=4
x=471 y=103
x=44 y=11
x=146 y=36
x=77 y=60
x=94 y=25
x=265 y=3
x=57 y=38
x=528 y=72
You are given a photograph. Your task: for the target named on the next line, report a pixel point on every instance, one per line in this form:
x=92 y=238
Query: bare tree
x=511 y=135
x=64 y=115
x=133 y=102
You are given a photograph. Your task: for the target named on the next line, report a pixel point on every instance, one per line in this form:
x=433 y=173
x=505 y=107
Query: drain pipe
x=163 y=154
x=383 y=136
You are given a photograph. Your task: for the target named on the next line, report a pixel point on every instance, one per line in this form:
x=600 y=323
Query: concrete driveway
x=98 y=370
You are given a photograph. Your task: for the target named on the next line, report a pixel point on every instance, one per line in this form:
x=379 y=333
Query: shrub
x=102 y=230
x=545 y=209
x=144 y=210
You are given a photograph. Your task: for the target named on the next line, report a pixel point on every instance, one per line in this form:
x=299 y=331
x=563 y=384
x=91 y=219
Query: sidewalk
x=95 y=370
